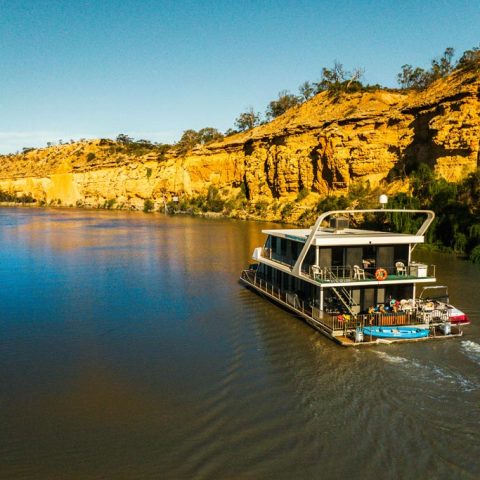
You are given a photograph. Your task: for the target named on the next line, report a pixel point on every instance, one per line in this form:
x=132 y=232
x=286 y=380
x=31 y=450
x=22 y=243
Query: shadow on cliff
x=422 y=148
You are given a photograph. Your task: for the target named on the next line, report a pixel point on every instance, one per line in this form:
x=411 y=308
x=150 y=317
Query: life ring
x=381 y=274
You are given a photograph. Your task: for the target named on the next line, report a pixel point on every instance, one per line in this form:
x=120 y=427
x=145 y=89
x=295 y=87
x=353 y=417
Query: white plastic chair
x=358 y=273
x=401 y=268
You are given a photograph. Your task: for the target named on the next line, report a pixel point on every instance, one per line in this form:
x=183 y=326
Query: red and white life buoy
x=381 y=274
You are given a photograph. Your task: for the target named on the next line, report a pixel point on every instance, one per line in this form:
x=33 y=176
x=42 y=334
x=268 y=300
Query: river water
x=128 y=350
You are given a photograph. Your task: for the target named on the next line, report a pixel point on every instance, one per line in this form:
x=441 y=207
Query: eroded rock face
x=323 y=145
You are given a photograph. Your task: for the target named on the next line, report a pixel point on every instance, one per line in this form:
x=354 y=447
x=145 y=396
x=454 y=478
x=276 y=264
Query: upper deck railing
x=351 y=273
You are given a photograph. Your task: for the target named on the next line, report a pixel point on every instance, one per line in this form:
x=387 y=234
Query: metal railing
x=288 y=298
x=349 y=273
x=337 y=323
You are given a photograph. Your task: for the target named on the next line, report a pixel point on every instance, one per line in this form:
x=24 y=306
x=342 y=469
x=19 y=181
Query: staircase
x=344 y=296
x=347 y=300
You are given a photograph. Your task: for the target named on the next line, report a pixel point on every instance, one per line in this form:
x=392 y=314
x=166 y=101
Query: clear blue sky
x=151 y=68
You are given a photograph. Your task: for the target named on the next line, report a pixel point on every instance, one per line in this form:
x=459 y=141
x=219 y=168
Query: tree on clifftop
x=411 y=77
x=191 y=138
x=247 y=120
x=470 y=60
x=337 y=79
x=125 y=139
x=419 y=78
x=442 y=66
x=284 y=102
x=306 y=90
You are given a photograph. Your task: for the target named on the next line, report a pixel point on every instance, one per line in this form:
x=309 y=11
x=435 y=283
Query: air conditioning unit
x=339 y=223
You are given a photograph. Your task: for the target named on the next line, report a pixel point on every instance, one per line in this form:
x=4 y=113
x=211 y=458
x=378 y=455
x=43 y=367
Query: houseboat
x=356 y=285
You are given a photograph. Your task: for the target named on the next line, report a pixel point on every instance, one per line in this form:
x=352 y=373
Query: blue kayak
x=395 y=332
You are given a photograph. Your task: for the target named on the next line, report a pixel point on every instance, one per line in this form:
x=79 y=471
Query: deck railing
x=351 y=274
x=348 y=273
x=336 y=322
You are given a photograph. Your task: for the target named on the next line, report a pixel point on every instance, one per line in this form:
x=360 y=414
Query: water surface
x=128 y=350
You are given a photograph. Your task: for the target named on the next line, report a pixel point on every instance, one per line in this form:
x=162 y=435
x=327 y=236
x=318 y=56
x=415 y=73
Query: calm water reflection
x=129 y=350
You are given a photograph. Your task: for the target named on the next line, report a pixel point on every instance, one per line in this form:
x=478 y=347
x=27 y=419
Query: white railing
x=338 y=323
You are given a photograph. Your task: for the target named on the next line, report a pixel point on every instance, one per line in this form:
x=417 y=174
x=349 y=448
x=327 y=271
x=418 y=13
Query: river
x=128 y=350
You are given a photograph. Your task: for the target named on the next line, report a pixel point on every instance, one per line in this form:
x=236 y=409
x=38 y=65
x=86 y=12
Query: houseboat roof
x=341 y=234
x=347 y=236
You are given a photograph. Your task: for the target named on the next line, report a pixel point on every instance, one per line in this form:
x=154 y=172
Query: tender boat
x=342 y=278
x=396 y=332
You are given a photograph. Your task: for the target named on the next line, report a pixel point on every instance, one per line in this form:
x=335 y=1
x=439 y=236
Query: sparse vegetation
x=13 y=198
x=419 y=78
x=148 y=205
x=287 y=210
x=302 y=194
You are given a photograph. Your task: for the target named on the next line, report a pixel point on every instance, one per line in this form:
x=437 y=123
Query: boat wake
x=433 y=373
x=391 y=358
x=471 y=350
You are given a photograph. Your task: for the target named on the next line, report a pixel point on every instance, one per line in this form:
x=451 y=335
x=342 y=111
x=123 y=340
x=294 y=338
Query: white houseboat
x=354 y=285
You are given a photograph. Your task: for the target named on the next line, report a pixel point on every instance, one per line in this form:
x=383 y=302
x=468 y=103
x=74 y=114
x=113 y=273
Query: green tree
x=247 y=120
x=189 y=139
x=443 y=66
x=148 y=205
x=125 y=139
x=306 y=90
x=284 y=102
x=208 y=134
x=410 y=77
x=337 y=79
x=470 y=60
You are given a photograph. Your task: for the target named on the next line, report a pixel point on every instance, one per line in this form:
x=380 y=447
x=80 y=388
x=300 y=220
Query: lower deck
x=342 y=328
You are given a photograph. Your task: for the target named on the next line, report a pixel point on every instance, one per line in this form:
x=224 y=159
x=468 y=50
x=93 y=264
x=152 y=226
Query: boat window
x=368 y=299
x=354 y=256
x=338 y=256
x=309 y=259
x=295 y=250
x=325 y=257
x=401 y=253
x=385 y=256
x=369 y=251
x=399 y=291
x=381 y=295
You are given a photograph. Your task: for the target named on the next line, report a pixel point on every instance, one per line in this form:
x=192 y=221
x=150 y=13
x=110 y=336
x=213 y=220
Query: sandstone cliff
x=323 y=145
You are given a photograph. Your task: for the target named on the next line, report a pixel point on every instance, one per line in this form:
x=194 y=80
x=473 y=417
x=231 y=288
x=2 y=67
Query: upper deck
x=339 y=254
x=325 y=237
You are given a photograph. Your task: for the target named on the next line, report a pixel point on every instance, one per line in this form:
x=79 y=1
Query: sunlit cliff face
x=322 y=145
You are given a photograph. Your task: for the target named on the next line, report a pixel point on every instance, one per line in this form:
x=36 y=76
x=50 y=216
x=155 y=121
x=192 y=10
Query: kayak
x=395 y=332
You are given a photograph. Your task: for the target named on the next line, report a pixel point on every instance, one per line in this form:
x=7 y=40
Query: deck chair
x=358 y=273
x=401 y=268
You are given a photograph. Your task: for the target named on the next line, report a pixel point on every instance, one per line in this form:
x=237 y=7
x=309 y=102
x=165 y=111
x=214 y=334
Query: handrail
x=337 y=322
